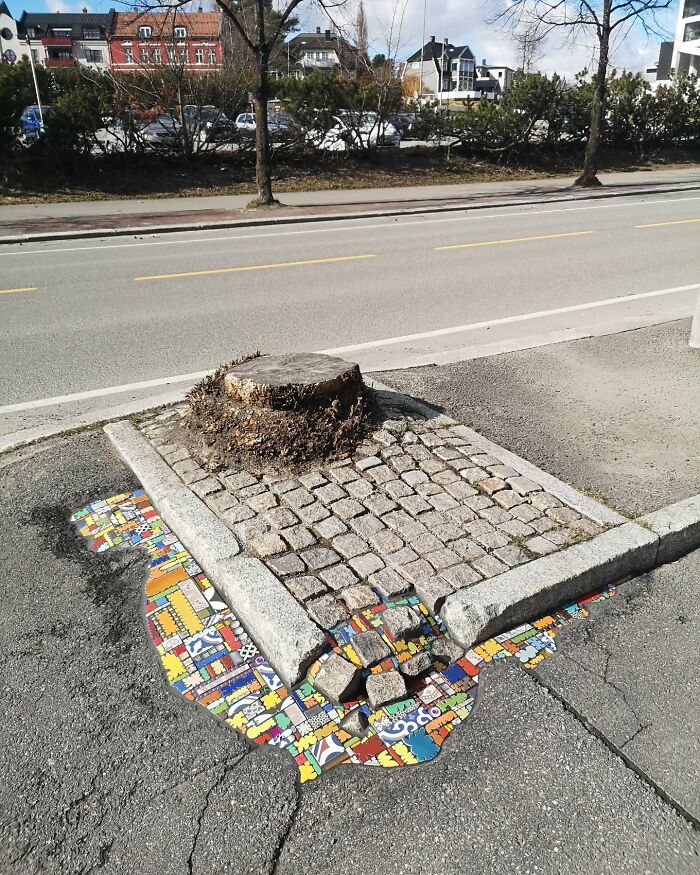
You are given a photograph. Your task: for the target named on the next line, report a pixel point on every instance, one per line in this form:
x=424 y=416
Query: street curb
x=327 y=217
x=563 y=491
x=503 y=602
x=678 y=528
x=272 y=617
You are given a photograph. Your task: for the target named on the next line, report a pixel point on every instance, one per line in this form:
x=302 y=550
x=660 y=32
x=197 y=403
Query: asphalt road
x=587 y=766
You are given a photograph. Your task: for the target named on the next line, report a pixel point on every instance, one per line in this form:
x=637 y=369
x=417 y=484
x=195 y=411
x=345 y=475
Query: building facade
x=686 y=46
x=322 y=50
x=11 y=48
x=186 y=40
x=67 y=39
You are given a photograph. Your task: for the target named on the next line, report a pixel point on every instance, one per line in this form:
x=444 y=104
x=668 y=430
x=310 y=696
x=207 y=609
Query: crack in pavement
x=282 y=841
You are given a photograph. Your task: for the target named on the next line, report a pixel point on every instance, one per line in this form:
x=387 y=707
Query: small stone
x=359 y=489
x=544 y=501
x=495 y=515
x=564 y=536
x=502 y=471
x=446 y=650
x=516 y=529
x=479 y=527
x=298 y=537
x=338 y=577
x=447 y=532
x=489 y=566
x=347 y=508
x=447 y=453
x=474 y=475
x=237 y=514
x=402 y=622
x=484 y=459
x=337 y=679
x=563 y=515
x=370 y=648
x=511 y=555
x=381 y=474
x=355 y=723
x=492 y=540
x=416 y=665
x=313 y=513
x=366 y=564
x=588 y=527
x=221 y=501
x=349 y=545
x=443 y=502
x=319 y=557
x=388 y=582
x=366 y=525
x=358 y=597
x=414 y=504
x=327 y=611
x=280 y=518
x=369 y=462
x=459 y=576
x=250 y=529
x=525 y=512
x=444 y=478
x=414 y=477
x=461 y=514
x=433 y=466
x=238 y=481
x=329 y=528
x=379 y=504
x=385 y=542
x=261 y=502
x=298 y=498
x=397 y=489
x=290 y=563
x=250 y=491
x=492 y=484
x=268 y=545
x=312 y=480
x=540 y=546
x=507 y=498
x=443 y=558
x=193 y=475
x=383 y=437
x=523 y=485
x=417 y=571
x=329 y=494
x=384 y=687
x=460 y=490
x=468 y=549
x=402 y=463
x=543 y=524
x=402 y=556
x=478 y=502
x=427 y=489
x=305 y=587
x=433 y=591
x=207 y=486
x=343 y=475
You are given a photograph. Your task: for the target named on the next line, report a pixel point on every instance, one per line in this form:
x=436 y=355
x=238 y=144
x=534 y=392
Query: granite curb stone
x=678 y=528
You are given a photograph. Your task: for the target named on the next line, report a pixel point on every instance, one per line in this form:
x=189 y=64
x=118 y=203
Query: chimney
x=200 y=9
x=318 y=30
x=483 y=62
x=84 y=10
x=432 y=39
x=328 y=34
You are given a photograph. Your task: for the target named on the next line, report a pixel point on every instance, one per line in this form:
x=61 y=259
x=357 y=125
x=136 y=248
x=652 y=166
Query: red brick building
x=142 y=43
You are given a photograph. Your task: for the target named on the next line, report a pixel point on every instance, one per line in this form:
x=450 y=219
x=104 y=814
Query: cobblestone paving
x=417 y=509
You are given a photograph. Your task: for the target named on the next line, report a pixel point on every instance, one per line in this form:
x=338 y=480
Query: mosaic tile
x=208 y=657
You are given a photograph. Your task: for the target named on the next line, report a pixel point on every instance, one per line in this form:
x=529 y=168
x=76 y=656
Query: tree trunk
x=588 y=177
x=263 y=150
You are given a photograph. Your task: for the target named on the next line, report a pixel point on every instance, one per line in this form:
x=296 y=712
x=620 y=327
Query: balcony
x=56 y=41
x=60 y=62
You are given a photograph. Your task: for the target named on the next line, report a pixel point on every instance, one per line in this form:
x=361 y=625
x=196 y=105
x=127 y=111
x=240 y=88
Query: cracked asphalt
x=589 y=765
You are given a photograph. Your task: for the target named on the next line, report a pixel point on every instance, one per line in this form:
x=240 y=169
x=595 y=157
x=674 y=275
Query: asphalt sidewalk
x=27 y=222
x=587 y=764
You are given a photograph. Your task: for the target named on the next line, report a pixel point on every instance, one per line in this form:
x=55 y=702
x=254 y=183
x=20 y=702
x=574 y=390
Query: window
x=31 y=33
x=64 y=56
x=692 y=32
x=91 y=33
x=145 y=32
x=93 y=56
x=691 y=8
x=128 y=56
x=180 y=33
x=61 y=31
x=143 y=56
x=171 y=56
x=212 y=57
x=183 y=56
x=35 y=56
x=199 y=56
x=156 y=57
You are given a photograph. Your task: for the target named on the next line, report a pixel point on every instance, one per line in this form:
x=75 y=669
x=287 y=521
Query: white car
x=355 y=131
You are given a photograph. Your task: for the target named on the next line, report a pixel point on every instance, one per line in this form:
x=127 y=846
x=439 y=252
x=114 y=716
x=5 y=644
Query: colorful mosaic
x=209 y=658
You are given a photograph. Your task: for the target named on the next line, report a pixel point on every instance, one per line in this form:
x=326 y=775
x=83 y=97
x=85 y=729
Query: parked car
x=162 y=133
x=405 y=124
x=209 y=124
x=31 y=126
x=277 y=124
x=355 y=131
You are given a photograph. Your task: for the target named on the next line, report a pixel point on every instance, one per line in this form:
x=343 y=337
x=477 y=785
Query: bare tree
x=528 y=39
x=361 y=38
x=600 y=19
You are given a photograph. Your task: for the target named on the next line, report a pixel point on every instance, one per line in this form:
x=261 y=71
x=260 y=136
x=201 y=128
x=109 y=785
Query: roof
x=4 y=10
x=346 y=51
x=198 y=24
x=434 y=49
x=44 y=22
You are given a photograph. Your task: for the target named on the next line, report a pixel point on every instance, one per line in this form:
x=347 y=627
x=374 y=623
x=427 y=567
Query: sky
x=398 y=25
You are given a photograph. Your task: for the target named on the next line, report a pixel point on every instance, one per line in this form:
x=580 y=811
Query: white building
x=11 y=49
x=67 y=39
x=686 y=46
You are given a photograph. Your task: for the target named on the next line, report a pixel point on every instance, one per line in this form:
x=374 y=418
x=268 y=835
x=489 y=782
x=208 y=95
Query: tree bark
x=588 y=177
x=263 y=156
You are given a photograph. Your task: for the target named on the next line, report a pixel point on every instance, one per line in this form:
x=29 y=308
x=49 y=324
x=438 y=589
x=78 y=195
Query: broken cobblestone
x=370 y=648
x=385 y=687
x=337 y=679
x=402 y=622
x=327 y=611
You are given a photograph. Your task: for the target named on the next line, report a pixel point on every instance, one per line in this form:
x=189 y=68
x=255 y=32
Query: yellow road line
x=170 y=276
x=512 y=240
x=12 y=291
x=676 y=222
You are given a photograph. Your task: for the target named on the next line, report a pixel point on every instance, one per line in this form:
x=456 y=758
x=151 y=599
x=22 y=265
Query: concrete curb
x=504 y=602
x=563 y=491
x=272 y=617
x=326 y=217
x=678 y=528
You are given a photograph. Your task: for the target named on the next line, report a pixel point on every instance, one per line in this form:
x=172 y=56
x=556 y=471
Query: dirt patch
x=303 y=431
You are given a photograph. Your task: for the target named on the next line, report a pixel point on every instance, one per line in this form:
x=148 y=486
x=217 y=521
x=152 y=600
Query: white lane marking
x=184 y=378
x=98 y=393
x=523 y=317
x=335 y=227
